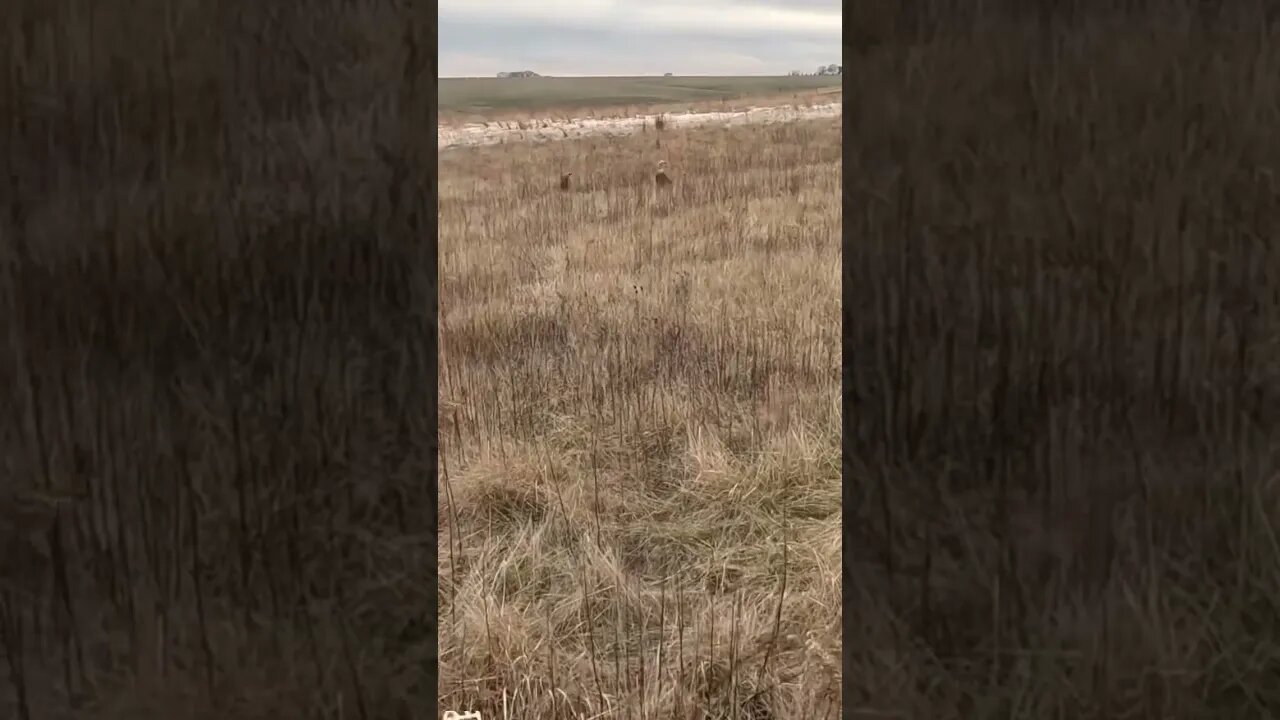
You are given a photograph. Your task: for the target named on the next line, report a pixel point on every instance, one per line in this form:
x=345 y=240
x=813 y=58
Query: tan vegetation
x=639 y=427
x=1062 y=318
x=216 y=367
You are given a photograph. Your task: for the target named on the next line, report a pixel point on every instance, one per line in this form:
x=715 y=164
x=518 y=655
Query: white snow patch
x=475 y=134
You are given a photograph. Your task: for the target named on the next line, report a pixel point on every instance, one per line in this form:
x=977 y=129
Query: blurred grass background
x=218 y=367
x=1062 y=311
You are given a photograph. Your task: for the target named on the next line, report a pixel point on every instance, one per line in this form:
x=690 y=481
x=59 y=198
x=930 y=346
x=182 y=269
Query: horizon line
x=709 y=75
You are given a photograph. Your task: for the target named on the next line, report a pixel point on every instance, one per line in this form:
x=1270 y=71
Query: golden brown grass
x=216 y=368
x=1063 y=368
x=639 y=427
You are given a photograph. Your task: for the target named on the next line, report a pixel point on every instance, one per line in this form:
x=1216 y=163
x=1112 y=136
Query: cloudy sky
x=479 y=38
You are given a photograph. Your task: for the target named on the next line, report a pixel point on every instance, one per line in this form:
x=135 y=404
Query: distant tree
x=667 y=75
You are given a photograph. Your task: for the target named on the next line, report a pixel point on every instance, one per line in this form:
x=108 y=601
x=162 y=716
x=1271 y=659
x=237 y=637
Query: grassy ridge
x=477 y=95
x=1062 y=356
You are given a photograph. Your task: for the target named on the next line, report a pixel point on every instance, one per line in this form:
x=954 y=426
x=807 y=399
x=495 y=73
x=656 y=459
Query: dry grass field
x=640 y=426
x=501 y=98
x=1063 y=313
x=216 y=368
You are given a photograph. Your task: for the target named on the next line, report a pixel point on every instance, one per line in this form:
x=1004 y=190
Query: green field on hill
x=477 y=95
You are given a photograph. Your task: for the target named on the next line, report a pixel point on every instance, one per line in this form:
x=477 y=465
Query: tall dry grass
x=216 y=364
x=639 y=426
x=1063 y=305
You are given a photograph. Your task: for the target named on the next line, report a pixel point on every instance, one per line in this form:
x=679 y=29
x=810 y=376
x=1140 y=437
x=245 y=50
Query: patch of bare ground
x=1062 y=350
x=639 y=426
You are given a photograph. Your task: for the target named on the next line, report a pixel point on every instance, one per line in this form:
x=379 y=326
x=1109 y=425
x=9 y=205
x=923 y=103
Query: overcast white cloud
x=479 y=38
